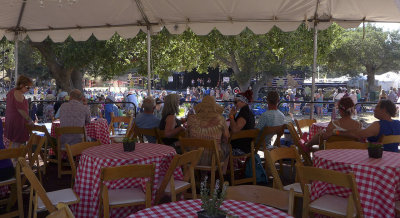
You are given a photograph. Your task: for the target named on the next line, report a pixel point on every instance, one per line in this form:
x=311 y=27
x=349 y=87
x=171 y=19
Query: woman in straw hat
x=208 y=123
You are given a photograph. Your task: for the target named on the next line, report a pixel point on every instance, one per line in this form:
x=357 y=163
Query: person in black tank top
x=243 y=121
x=169 y=123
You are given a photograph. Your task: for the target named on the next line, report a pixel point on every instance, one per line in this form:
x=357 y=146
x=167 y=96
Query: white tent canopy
x=79 y=19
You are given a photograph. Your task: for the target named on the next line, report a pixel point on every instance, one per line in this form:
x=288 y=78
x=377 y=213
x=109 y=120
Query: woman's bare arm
x=170 y=130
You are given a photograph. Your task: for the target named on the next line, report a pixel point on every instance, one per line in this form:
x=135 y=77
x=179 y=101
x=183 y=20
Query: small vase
x=203 y=214
x=129 y=146
x=375 y=152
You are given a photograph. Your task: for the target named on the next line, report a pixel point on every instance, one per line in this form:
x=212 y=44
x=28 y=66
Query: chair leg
x=192 y=181
x=232 y=169
x=253 y=161
x=30 y=203
x=13 y=197
x=59 y=162
x=19 y=198
x=212 y=185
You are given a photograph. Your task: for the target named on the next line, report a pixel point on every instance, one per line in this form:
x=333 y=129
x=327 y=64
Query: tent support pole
x=16 y=42
x=314 y=69
x=148 y=61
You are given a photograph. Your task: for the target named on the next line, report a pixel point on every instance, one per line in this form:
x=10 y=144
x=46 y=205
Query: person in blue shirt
x=272 y=117
x=110 y=110
x=384 y=111
x=146 y=119
x=132 y=98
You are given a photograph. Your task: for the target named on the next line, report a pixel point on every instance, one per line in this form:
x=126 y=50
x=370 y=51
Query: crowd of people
x=205 y=121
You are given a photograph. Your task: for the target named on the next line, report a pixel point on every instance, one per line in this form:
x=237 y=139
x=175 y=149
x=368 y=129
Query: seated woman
x=208 y=123
x=169 y=123
x=242 y=121
x=345 y=123
x=384 y=111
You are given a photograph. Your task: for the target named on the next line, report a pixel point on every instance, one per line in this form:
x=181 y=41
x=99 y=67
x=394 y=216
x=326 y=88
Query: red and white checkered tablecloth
x=378 y=180
x=87 y=182
x=190 y=208
x=316 y=128
x=96 y=129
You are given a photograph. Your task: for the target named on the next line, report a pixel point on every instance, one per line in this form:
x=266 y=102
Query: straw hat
x=208 y=105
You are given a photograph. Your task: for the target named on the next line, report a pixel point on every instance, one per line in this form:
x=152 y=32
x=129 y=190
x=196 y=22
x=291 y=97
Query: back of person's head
x=23 y=81
x=389 y=106
x=171 y=105
x=75 y=94
x=248 y=94
x=148 y=104
x=273 y=97
x=346 y=105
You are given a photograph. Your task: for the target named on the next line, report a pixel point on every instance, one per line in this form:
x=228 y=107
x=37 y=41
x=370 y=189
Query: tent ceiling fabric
x=103 y=18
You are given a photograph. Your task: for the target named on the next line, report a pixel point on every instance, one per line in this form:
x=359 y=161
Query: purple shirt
x=73 y=113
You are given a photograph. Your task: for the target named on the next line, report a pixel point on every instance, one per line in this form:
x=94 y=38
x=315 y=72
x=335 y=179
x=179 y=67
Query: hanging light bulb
x=41 y=3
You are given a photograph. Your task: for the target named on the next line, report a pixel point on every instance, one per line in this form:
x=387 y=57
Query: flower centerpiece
x=375 y=150
x=129 y=144
x=211 y=203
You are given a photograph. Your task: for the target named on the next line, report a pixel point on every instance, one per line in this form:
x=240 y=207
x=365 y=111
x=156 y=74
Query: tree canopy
x=369 y=51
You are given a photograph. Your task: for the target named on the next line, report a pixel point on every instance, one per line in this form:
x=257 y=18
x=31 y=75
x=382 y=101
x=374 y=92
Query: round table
x=190 y=208
x=316 y=128
x=87 y=182
x=96 y=129
x=378 y=180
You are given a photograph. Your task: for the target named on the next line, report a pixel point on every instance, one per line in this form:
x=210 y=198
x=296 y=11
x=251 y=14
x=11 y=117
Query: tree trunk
x=76 y=78
x=57 y=70
x=258 y=85
x=370 y=78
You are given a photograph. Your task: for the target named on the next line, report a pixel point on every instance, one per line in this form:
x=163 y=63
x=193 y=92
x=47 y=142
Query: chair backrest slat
x=127 y=171
x=77 y=149
x=140 y=132
x=249 y=133
x=390 y=139
x=270 y=130
x=12 y=153
x=304 y=123
x=345 y=145
x=279 y=199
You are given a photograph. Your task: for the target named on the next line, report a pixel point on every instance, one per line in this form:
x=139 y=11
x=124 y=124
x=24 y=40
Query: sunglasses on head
x=28 y=87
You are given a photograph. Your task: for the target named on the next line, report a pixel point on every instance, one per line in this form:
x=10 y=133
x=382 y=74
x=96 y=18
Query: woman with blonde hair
x=208 y=123
x=169 y=123
x=17 y=115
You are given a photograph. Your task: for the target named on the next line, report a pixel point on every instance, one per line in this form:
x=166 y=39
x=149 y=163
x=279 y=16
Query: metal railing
x=90 y=103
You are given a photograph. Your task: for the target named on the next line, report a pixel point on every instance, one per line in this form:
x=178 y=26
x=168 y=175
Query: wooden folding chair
x=112 y=198
x=49 y=144
x=62 y=211
x=141 y=133
x=169 y=185
x=390 y=139
x=63 y=131
x=120 y=120
x=33 y=148
x=161 y=135
x=270 y=130
x=76 y=150
x=345 y=145
x=304 y=123
x=282 y=200
x=15 y=182
x=46 y=200
x=329 y=205
x=279 y=154
x=210 y=149
x=244 y=134
x=300 y=146
x=333 y=138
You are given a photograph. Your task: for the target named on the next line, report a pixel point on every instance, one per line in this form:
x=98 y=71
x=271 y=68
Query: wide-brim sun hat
x=208 y=105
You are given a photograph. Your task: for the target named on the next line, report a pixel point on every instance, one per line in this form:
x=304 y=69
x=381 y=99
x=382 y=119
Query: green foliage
x=212 y=205
x=366 y=51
